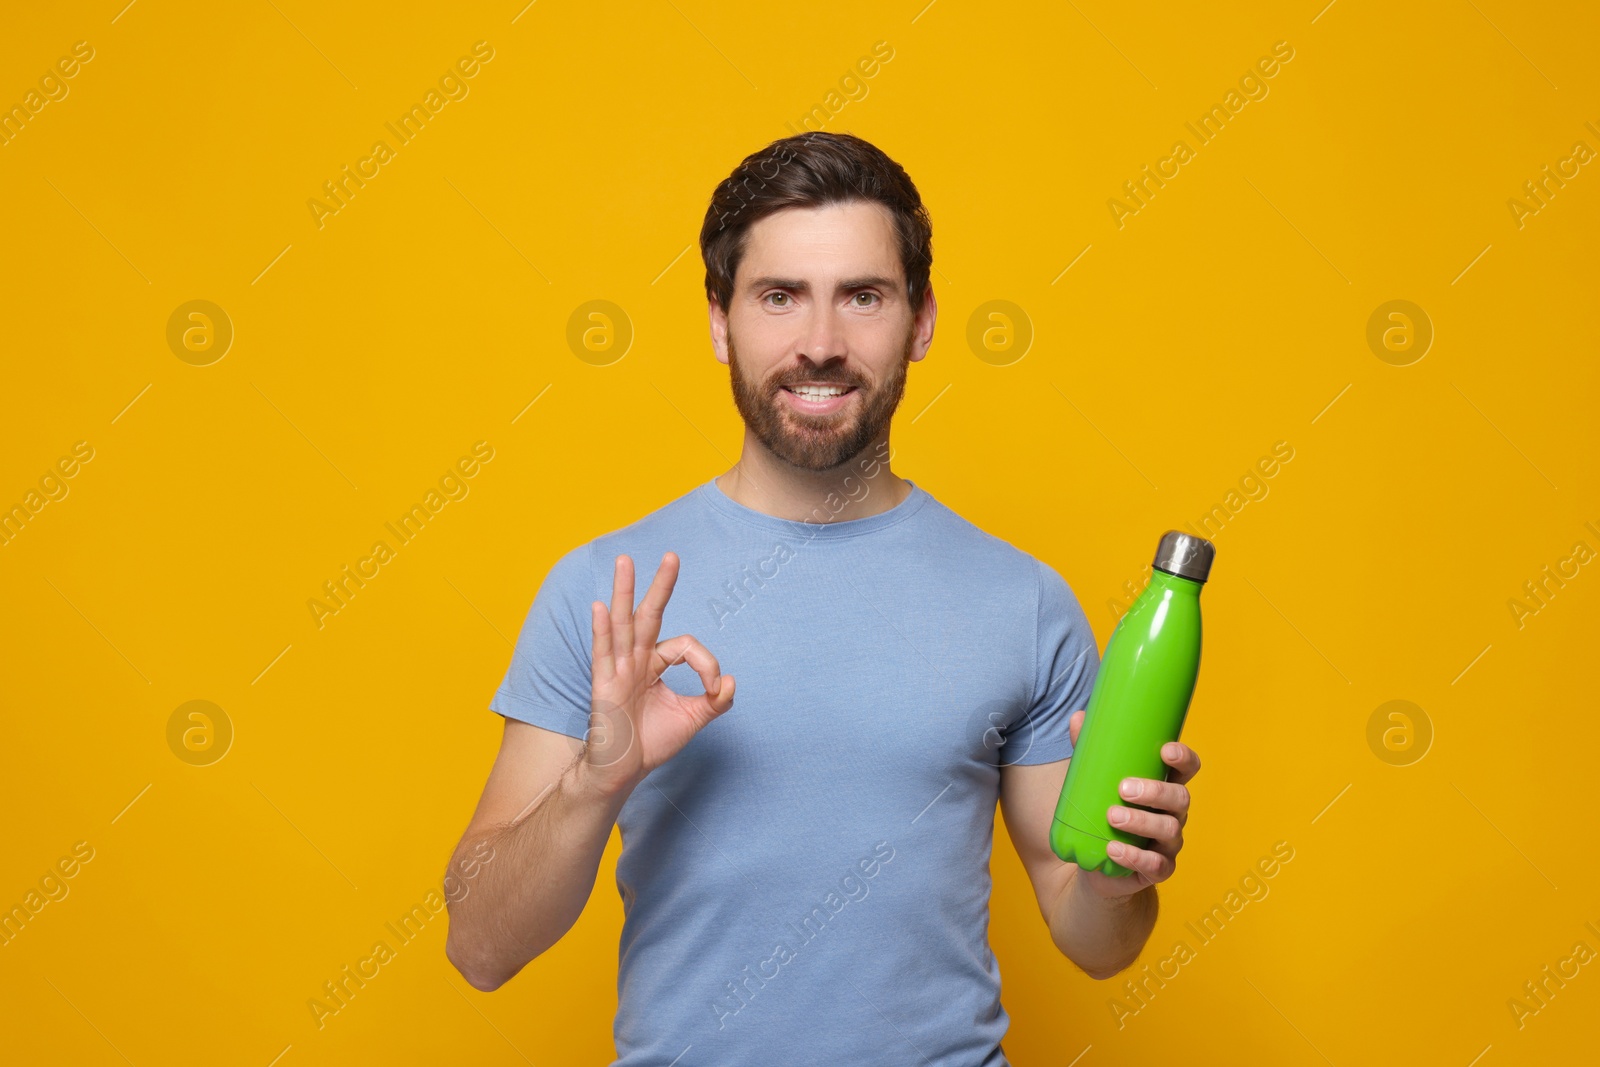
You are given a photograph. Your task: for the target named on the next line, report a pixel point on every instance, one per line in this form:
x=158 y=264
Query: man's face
x=820 y=302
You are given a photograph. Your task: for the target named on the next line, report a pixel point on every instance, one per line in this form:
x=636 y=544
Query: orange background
x=1228 y=314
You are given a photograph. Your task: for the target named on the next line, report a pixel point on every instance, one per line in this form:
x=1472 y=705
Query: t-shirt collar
x=829 y=519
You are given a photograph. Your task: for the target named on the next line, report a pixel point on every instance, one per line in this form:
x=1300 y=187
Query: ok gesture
x=636 y=722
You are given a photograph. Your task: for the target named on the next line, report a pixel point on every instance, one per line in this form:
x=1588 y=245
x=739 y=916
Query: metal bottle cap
x=1185 y=555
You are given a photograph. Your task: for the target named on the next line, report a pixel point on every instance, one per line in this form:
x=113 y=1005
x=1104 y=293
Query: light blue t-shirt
x=807 y=881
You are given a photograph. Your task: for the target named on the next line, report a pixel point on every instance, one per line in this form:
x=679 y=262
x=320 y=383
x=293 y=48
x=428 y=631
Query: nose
x=823 y=336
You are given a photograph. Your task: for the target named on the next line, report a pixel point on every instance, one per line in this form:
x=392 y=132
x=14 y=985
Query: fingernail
x=1173 y=751
x=1119 y=816
x=1114 y=850
x=1130 y=787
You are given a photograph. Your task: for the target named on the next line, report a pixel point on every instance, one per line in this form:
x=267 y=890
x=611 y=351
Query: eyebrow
x=871 y=281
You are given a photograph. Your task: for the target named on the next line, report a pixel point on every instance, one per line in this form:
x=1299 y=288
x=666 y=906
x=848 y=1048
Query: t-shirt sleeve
x=1064 y=672
x=548 y=683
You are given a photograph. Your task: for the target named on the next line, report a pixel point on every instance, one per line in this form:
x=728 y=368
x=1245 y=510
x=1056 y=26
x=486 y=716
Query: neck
x=861 y=486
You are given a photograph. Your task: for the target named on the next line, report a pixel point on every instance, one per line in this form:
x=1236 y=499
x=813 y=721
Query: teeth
x=817 y=390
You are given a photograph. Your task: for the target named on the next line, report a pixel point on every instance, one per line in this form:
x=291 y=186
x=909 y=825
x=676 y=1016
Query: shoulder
x=975 y=550
x=644 y=540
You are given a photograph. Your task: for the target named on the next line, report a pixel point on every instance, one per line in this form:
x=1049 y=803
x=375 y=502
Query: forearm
x=1103 y=935
x=535 y=888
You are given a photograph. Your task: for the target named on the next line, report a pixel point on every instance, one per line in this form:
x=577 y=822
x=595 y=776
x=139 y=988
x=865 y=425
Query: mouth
x=818 y=399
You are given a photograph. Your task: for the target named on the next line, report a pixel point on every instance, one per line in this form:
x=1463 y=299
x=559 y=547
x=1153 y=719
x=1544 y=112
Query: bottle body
x=1138 y=704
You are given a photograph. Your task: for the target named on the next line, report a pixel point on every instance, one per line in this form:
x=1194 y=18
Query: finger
x=1183 y=759
x=1165 y=829
x=1153 y=865
x=722 y=700
x=648 y=617
x=622 y=606
x=1149 y=793
x=1075 y=726
x=703 y=709
x=687 y=648
x=602 y=665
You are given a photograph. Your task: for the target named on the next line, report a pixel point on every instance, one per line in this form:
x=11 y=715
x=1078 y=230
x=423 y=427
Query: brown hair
x=812 y=170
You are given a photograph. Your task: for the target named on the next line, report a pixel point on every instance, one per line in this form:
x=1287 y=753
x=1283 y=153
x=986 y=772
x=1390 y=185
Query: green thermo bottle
x=1138 y=704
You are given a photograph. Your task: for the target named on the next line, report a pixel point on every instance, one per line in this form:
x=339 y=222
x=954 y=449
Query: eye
x=872 y=295
x=780 y=295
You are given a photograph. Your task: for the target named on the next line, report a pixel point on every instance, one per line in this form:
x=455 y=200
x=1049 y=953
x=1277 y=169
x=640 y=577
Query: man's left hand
x=1163 y=826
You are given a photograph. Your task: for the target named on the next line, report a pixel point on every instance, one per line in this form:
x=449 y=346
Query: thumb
x=702 y=710
x=720 y=701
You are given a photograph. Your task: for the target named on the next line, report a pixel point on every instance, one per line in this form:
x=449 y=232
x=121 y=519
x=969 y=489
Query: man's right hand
x=636 y=722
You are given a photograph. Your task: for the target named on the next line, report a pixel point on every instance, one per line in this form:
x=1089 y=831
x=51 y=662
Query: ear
x=719 y=330
x=922 y=328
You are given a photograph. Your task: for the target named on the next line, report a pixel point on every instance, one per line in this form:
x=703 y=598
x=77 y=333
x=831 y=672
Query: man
x=805 y=866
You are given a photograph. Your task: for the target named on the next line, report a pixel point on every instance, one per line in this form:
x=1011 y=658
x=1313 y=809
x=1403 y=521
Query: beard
x=817 y=442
